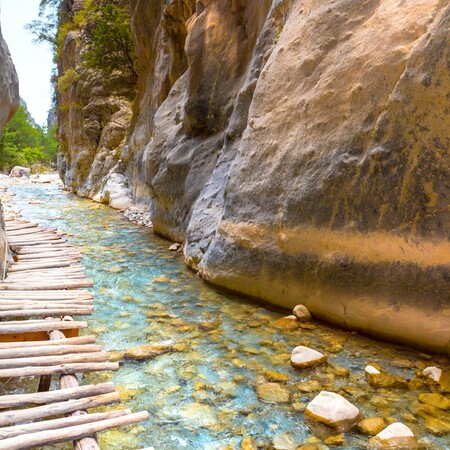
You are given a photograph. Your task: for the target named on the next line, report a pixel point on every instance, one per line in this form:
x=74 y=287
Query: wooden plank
x=45 y=265
x=44 y=286
x=47 y=350
x=24 y=327
x=56 y=409
x=59 y=370
x=86 y=311
x=51 y=437
x=45 y=398
x=71 y=358
x=9 y=305
x=80 y=340
x=46 y=294
x=36 y=336
x=54 y=424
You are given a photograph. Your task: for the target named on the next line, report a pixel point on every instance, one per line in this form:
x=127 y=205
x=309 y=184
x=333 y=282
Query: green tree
x=112 y=46
x=23 y=144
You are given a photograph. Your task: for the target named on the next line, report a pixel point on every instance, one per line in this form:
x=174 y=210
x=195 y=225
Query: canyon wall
x=94 y=111
x=9 y=102
x=300 y=150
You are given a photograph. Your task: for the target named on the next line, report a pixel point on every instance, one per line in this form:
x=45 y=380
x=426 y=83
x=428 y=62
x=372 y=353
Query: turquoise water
x=202 y=393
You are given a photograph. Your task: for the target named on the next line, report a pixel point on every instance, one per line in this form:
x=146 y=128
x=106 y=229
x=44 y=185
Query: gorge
x=298 y=149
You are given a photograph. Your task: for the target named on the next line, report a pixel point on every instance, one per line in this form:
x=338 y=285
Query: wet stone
x=371 y=426
x=437 y=400
x=248 y=443
x=433 y=373
x=287 y=323
x=338 y=441
x=272 y=393
x=284 y=441
x=303 y=357
x=333 y=410
x=438 y=427
x=395 y=436
x=302 y=313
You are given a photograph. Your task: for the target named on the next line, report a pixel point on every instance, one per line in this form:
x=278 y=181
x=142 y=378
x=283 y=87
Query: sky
x=33 y=62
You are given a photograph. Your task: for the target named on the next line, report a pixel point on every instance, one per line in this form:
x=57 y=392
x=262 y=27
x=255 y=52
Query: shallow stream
x=202 y=393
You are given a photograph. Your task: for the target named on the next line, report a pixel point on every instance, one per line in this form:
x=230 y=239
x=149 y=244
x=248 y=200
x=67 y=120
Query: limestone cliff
x=9 y=102
x=300 y=149
x=94 y=111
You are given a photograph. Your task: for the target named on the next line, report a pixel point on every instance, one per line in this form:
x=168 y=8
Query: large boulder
x=333 y=410
x=396 y=436
x=19 y=172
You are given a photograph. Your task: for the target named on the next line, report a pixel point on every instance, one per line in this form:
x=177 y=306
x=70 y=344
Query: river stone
x=383 y=380
x=302 y=313
x=248 y=443
x=284 y=441
x=396 y=436
x=147 y=351
x=433 y=372
x=287 y=323
x=333 y=410
x=175 y=247
x=336 y=441
x=303 y=357
x=438 y=427
x=371 y=426
x=436 y=400
x=272 y=393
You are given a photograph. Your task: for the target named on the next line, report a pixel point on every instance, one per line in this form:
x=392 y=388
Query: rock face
x=298 y=148
x=94 y=113
x=9 y=102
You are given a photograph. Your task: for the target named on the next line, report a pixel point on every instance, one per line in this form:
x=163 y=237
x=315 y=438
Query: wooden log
x=24 y=327
x=80 y=340
x=70 y=358
x=29 y=232
x=50 y=254
x=46 y=265
x=58 y=370
x=51 y=437
x=56 y=409
x=45 y=398
x=55 y=424
x=46 y=286
x=46 y=294
x=14 y=305
x=45 y=312
x=47 y=350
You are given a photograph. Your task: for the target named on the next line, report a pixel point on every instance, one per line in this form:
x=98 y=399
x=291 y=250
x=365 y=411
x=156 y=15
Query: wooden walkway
x=38 y=337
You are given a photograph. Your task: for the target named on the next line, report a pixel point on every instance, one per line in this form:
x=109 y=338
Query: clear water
x=203 y=394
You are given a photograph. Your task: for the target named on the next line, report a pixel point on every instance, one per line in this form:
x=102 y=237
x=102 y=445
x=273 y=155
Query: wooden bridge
x=43 y=288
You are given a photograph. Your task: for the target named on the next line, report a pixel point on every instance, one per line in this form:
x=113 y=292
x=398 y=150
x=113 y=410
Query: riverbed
x=202 y=393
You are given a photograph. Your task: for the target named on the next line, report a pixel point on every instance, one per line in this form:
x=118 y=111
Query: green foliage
x=23 y=144
x=66 y=81
x=111 y=47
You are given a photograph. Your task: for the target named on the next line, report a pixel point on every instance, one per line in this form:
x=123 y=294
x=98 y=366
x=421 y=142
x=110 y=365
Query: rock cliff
x=9 y=102
x=300 y=149
x=94 y=111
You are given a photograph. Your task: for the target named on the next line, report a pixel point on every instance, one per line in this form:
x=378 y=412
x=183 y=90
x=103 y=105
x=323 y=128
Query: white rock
x=174 y=247
x=396 y=436
x=333 y=410
x=371 y=370
x=303 y=357
x=433 y=372
x=302 y=313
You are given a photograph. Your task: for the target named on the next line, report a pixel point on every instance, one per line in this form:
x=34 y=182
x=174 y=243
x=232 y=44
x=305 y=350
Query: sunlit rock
x=175 y=247
x=302 y=313
x=272 y=393
x=284 y=441
x=436 y=426
x=433 y=372
x=248 y=443
x=336 y=441
x=379 y=379
x=395 y=436
x=303 y=357
x=333 y=410
x=198 y=414
x=372 y=425
x=147 y=351
x=287 y=323
x=434 y=399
